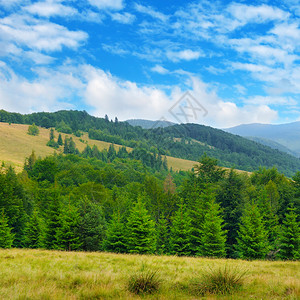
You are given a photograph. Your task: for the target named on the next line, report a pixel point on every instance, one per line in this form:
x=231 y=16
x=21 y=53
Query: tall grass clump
x=220 y=281
x=144 y=282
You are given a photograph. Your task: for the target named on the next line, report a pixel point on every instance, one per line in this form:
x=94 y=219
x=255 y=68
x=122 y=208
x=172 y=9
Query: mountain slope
x=287 y=135
x=185 y=141
x=16 y=145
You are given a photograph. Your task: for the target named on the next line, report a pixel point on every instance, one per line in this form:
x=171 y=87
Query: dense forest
x=124 y=202
x=188 y=141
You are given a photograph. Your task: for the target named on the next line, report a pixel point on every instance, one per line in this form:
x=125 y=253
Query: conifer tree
x=67 y=237
x=180 y=235
x=59 y=140
x=51 y=135
x=91 y=226
x=197 y=213
x=140 y=230
x=290 y=236
x=34 y=232
x=252 y=240
x=163 y=236
x=52 y=222
x=116 y=235
x=213 y=235
x=6 y=236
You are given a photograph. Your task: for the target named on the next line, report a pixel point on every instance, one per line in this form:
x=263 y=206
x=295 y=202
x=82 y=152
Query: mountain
x=147 y=124
x=287 y=135
x=272 y=144
x=185 y=141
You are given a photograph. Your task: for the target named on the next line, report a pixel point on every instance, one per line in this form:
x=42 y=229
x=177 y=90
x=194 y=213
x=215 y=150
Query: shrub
x=144 y=282
x=220 y=281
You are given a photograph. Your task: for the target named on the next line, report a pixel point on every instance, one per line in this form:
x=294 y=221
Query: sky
x=217 y=63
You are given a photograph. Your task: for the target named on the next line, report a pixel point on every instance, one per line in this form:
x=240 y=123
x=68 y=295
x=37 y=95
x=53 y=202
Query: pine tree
x=34 y=232
x=116 y=235
x=52 y=222
x=290 y=236
x=59 y=140
x=180 y=233
x=252 y=240
x=92 y=226
x=163 y=236
x=140 y=230
x=67 y=237
x=51 y=135
x=6 y=237
x=213 y=235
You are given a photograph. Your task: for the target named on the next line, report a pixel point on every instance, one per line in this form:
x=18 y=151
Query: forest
x=131 y=202
x=187 y=141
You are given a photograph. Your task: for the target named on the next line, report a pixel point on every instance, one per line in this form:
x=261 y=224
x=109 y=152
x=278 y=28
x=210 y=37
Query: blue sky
x=135 y=59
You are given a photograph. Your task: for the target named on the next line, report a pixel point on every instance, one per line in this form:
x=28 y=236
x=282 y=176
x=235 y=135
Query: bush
x=220 y=281
x=33 y=130
x=144 y=282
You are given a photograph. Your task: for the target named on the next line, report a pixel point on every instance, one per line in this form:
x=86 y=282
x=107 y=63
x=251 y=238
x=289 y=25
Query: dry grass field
x=41 y=274
x=16 y=145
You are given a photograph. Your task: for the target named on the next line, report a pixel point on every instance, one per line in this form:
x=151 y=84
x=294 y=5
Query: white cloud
x=125 y=18
x=49 y=92
x=183 y=55
x=159 y=69
x=107 y=4
x=148 y=10
x=271 y=100
x=50 y=8
x=39 y=35
x=256 y=14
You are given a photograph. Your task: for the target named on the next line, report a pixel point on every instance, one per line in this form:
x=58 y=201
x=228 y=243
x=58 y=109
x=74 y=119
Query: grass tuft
x=144 y=282
x=220 y=281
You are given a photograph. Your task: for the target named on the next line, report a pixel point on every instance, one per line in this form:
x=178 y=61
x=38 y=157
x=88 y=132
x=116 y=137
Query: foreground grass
x=39 y=274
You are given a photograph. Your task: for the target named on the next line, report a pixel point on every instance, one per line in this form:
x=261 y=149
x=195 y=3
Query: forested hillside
x=187 y=141
x=115 y=201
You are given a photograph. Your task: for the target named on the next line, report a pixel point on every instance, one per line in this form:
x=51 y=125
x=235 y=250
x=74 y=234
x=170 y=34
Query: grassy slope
x=16 y=145
x=40 y=274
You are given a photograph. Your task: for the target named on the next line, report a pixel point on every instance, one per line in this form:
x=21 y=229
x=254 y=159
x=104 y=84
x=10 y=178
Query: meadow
x=16 y=145
x=41 y=274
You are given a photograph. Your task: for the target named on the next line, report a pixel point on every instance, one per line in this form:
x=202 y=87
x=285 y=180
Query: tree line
x=82 y=202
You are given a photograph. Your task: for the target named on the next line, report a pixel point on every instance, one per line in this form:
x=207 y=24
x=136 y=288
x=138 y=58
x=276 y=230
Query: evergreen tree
x=290 y=236
x=6 y=236
x=51 y=135
x=232 y=198
x=34 y=232
x=92 y=226
x=67 y=237
x=33 y=130
x=140 y=230
x=116 y=235
x=60 y=140
x=180 y=233
x=213 y=235
x=163 y=236
x=252 y=241
x=52 y=222
x=30 y=161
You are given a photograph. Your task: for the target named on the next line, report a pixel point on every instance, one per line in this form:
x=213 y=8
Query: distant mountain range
x=147 y=124
x=285 y=136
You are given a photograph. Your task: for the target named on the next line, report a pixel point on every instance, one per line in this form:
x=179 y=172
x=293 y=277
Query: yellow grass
x=16 y=145
x=40 y=274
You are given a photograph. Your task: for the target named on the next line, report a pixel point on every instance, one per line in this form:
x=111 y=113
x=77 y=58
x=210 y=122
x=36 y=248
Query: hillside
x=185 y=141
x=287 y=135
x=16 y=145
